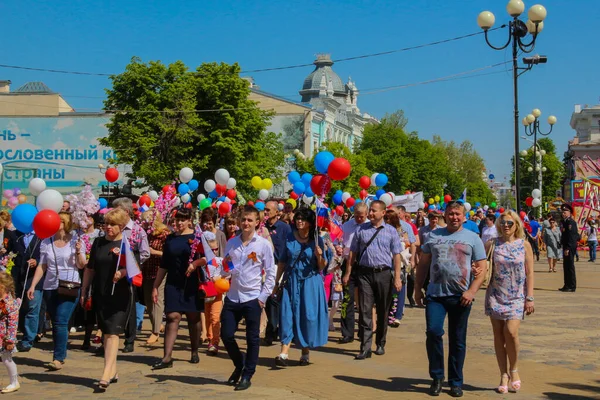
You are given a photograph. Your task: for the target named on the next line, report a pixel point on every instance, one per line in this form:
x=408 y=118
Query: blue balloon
x=293 y=177
x=183 y=189
x=497 y=214
x=431 y=207
x=213 y=194
x=337 y=199
x=381 y=180
x=299 y=188
x=103 y=203
x=222 y=198
x=379 y=193
x=478 y=204
x=306 y=178
x=260 y=206
x=322 y=161
x=357 y=201
x=339 y=192
x=22 y=217
x=193 y=185
x=308 y=192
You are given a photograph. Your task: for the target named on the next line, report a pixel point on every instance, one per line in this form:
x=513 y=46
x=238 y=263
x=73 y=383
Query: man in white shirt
x=247 y=256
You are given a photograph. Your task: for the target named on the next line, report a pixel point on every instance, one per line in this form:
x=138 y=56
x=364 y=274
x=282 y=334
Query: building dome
x=322 y=79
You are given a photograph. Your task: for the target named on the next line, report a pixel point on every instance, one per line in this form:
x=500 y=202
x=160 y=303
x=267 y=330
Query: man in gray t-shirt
x=449 y=254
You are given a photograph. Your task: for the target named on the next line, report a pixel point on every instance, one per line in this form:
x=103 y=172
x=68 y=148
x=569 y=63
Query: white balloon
x=209 y=185
x=36 y=186
x=1 y=168
x=373 y=177
x=410 y=197
x=186 y=174
x=486 y=207
x=177 y=202
x=386 y=198
x=263 y=194
x=200 y=197
x=467 y=207
x=280 y=207
x=536 y=202
x=49 y=199
x=345 y=196
x=231 y=183
x=222 y=176
x=219 y=203
x=186 y=198
x=153 y=195
x=307 y=200
x=227 y=200
x=536 y=193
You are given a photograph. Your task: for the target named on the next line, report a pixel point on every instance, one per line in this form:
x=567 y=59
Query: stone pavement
x=559 y=360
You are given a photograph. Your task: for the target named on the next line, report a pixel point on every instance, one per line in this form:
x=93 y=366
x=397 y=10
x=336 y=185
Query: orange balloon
x=22 y=198
x=222 y=285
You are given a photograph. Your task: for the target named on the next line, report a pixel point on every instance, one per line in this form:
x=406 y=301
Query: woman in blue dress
x=304 y=314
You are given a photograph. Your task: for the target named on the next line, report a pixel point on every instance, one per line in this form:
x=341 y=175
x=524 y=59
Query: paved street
x=559 y=360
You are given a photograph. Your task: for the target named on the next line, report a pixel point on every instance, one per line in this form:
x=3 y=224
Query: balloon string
x=27 y=273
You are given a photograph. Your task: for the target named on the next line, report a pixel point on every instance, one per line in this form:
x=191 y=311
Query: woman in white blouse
x=60 y=259
x=489 y=231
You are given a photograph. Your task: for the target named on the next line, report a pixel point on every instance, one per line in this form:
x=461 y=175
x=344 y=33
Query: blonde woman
x=509 y=295
x=157 y=235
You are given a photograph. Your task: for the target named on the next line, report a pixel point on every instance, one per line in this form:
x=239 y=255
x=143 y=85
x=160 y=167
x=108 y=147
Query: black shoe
x=235 y=377
x=85 y=346
x=412 y=303
x=281 y=362
x=100 y=351
x=564 y=289
x=380 y=350
x=195 y=358
x=22 y=348
x=128 y=348
x=244 y=384
x=456 y=391
x=363 y=355
x=436 y=387
x=162 y=365
x=266 y=342
x=345 y=339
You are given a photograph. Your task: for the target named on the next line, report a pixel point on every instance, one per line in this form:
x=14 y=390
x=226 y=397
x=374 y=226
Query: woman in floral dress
x=509 y=295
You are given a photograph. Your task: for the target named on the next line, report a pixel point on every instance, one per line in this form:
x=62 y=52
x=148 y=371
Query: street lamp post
x=517 y=31
x=531 y=124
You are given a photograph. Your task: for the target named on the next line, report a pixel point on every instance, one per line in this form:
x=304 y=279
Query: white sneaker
x=11 y=388
x=73 y=330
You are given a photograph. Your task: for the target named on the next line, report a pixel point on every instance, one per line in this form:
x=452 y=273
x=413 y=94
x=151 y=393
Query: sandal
x=502 y=389
x=304 y=360
x=515 y=385
x=55 y=365
x=152 y=339
x=281 y=360
x=103 y=385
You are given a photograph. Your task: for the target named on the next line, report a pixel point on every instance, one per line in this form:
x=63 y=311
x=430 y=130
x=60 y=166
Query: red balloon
x=231 y=194
x=111 y=175
x=168 y=188
x=145 y=200
x=221 y=189
x=407 y=192
x=350 y=202
x=188 y=205
x=294 y=196
x=339 y=210
x=501 y=210
x=426 y=205
x=363 y=194
x=364 y=182
x=135 y=206
x=529 y=201
x=522 y=214
x=214 y=205
x=339 y=169
x=447 y=198
x=224 y=208
x=250 y=203
x=46 y=223
x=320 y=184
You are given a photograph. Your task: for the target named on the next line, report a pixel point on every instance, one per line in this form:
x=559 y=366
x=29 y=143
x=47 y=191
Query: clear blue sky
x=102 y=36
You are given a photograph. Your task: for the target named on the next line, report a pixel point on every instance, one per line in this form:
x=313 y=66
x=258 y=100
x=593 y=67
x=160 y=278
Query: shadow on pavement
x=190 y=380
x=57 y=378
x=564 y=396
x=397 y=384
x=31 y=362
x=579 y=386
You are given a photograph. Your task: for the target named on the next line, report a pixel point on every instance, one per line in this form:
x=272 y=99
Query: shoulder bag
x=207 y=289
x=66 y=288
x=490 y=265
x=356 y=263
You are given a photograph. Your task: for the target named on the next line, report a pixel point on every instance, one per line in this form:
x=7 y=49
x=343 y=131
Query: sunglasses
x=507 y=223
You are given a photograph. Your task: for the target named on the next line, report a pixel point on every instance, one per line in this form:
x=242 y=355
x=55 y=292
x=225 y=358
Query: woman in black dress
x=111 y=294
x=181 y=289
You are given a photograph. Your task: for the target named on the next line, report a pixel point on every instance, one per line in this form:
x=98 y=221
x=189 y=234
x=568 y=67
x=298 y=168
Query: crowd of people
x=287 y=277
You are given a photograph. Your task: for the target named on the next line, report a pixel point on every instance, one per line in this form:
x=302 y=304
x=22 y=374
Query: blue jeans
x=401 y=302
x=592 y=245
x=139 y=315
x=31 y=316
x=230 y=318
x=458 y=317
x=60 y=309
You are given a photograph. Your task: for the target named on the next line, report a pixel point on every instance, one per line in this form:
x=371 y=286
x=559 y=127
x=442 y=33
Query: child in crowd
x=9 y=320
x=337 y=294
x=213 y=305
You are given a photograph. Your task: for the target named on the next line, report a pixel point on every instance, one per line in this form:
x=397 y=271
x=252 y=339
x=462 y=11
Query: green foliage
x=162 y=127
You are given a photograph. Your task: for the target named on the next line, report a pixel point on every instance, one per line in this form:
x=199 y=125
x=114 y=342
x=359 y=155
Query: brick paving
x=559 y=360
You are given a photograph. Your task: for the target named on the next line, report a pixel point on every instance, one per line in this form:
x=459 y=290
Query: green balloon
x=493 y=205
x=205 y=203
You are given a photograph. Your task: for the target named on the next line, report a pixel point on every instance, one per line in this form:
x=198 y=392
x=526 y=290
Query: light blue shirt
x=451 y=257
x=381 y=251
x=249 y=262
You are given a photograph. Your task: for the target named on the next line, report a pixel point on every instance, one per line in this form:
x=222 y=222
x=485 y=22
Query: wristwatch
x=529 y=298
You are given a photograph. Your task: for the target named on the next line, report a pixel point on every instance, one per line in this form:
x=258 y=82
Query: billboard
x=63 y=150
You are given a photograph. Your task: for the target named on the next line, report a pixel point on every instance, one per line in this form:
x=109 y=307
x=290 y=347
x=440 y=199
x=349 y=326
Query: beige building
x=33 y=99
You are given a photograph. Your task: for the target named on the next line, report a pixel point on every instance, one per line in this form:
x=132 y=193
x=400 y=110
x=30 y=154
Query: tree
x=168 y=117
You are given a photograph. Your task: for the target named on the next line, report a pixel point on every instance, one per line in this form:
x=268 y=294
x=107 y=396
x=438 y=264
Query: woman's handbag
x=207 y=289
x=66 y=288
x=490 y=265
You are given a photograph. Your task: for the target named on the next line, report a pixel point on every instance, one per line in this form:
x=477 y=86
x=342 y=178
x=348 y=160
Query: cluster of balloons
x=222 y=188
x=346 y=198
x=302 y=186
x=263 y=186
x=337 y=169
x=535 y=200
x=42 y=218
x=13 y=197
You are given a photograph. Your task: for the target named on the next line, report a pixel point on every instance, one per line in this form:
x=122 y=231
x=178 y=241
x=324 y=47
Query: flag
x=127 y=260
x=463 y=196
x=335 y=229
x=144 y=208
x=322 y=213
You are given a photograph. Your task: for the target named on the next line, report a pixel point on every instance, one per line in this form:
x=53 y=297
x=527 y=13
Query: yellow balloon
x=152 y=204
x=22 y=198
x=292 y=202
x=4 y=202
x=256 y=182
x=472 y=212
x=267 y=184
x=313 y=207
x=437 y=199
x=431 y=201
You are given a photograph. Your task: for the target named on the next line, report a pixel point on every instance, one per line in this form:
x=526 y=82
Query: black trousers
x=375 y=289
x=272 y=310
x=348 y=319
x=534 y=246
x=131 y=326
x=569 y=270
